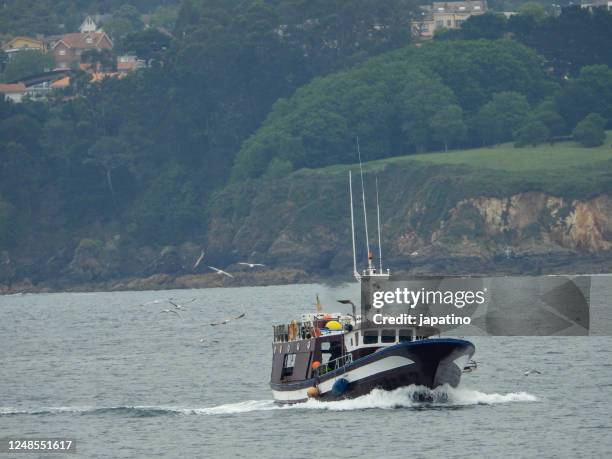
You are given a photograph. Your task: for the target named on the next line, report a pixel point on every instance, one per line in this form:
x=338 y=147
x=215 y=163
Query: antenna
x=378 y=220
x=355 y=272
x=365 y=215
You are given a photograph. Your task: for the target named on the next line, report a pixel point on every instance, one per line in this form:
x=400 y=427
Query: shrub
x=590 y=131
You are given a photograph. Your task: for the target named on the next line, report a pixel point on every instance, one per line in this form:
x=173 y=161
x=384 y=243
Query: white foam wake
x=404 y=397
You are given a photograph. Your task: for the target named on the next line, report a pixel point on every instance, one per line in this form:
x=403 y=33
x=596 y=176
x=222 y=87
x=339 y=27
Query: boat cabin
x=320 y=343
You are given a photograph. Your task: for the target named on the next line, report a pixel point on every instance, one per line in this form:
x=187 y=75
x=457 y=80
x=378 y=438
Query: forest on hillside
x=250 y=88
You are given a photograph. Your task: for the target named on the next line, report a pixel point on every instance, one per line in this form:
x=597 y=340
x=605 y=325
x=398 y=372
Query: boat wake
x=413 y=397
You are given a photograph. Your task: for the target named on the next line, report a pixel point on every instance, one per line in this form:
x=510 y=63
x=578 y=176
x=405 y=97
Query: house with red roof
x=13 y=91
x=68 y=49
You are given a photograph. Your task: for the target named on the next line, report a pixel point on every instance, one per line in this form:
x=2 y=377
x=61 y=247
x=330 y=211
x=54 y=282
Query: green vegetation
x=27 y=63
x=590 y=131
x=561 y=155
x=568 y=41
x=396 y=102
x=247 y=89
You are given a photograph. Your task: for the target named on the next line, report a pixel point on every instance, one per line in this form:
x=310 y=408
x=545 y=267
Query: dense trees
x=443 y=94
x=260 y=88
x=568 y=41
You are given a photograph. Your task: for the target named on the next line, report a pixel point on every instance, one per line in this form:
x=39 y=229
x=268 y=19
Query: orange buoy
x=312 y=391
x=316 y=364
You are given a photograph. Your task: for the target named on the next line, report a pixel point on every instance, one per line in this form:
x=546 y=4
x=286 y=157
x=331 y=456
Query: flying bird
x=170 y=310
x=178 y=306
x=531 y=372
x=220 y=271
x=199 y=260
x=158 y=301
x=251 y=265
x=223 y=322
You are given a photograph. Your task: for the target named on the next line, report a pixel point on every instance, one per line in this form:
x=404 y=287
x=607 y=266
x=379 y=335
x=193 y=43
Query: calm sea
x=126 y=380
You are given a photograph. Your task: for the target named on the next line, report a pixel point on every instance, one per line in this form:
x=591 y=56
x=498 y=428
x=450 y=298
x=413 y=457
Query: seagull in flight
x=199 y=260
x=223 y=322
x=251 y=265
x=180 y=306
x=158 y=301
x=220 y=271
x=531 y=372
x=172 y=311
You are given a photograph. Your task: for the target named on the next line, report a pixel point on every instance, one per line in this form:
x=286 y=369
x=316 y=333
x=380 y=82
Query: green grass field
x=562 y=169
x=506 y=157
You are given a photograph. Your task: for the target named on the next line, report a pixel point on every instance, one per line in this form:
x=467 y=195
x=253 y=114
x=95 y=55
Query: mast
x=355 y=272
x=365 y=215
x=378 y=221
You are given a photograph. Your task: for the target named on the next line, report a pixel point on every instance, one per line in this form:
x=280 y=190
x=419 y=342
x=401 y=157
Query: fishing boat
x=332 y=356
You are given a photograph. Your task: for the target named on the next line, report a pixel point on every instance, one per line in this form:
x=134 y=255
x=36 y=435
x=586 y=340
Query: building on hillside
x=38 y=86
x=68 y=49
x=592 y=4
x=23 y=44
x=445 y=15
x=128 y=63
x=13 y=91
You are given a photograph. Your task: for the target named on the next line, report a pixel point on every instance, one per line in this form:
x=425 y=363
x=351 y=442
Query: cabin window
x=288 y=365
x=405 y=335
x=387 y=336
x=325 y=346
x=370 y=337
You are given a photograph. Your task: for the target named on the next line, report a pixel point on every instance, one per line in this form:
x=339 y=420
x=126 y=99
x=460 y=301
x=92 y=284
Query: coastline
x=425 y=266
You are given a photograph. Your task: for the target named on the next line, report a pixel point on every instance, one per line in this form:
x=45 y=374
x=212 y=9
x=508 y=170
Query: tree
x=448 y=126
x=148 y=44
x=499 y=118
x=110 y=154
x=590 y=131
x=118 y=28
x=590 y=92
x=548 y=115
x=8 y=225
x=489 y=26
x=535 y=10
x=423 y=96
x=102 y=59
x=533 y=132
x=164 y=17
x=26 y=63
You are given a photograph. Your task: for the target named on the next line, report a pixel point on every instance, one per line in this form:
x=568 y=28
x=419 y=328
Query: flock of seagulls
x=178 y=307
x=222 y=272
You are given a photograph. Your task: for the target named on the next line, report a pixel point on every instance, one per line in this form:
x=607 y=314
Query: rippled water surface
x=126 y=380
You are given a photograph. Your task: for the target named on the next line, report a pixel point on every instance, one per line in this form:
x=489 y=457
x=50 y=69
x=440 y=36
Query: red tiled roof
x=12 y=87
x=129 y=66
x=61 y=83
x=80 y=40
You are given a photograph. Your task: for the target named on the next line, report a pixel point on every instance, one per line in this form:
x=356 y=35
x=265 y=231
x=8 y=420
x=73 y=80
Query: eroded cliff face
x=425 y=220
x=532 y=220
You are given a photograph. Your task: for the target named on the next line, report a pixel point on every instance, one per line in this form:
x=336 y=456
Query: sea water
x=123 y=379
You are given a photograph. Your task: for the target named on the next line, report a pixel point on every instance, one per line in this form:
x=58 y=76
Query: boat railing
x=334 y=364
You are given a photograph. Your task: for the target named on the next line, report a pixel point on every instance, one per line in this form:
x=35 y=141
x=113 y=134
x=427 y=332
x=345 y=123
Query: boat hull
x=429 y=363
